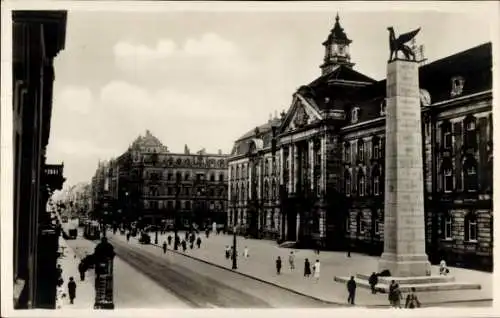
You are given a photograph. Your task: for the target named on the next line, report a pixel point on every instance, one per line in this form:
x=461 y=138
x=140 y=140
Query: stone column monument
x=404 y=228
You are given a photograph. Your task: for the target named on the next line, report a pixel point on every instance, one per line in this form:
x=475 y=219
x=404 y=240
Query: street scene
x=184 y=159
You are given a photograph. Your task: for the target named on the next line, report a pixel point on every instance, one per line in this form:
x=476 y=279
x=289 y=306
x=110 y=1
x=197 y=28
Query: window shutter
x=483 y=153
x=458 y=156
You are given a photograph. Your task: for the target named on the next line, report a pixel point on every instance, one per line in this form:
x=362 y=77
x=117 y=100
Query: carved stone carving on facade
x=301 y=117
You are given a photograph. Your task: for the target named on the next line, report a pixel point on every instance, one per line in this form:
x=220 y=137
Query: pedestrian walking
x=307 y=268
x=227 y=252
x=60 y=280
x=291 y=260
x=169 y=240
x=373 y=281
x=184 y=245
x=317 y=267
x=198 y=242
x=71 y=290
x=412 y=300
x=207 y=232
x=278 y=265
x=395 y=295
x=81 y=270
x=214 y=227
x=128 y=236
x=392 y=288
x=351 y=290
x=245 y=252
x=164 y=247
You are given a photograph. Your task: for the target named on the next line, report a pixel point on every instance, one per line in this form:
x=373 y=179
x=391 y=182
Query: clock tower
x=336 y=49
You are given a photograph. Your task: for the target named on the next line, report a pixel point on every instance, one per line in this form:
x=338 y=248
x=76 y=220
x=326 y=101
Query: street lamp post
x=235 y=253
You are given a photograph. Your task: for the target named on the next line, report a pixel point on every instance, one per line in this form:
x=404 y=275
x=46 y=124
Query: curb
x=306 y=295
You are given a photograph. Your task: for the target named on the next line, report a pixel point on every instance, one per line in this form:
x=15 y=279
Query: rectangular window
x=472 y=230
x=362 y=187
x=376 y=185
x=447 y=228
x=361 y=152
x=377 y=227
x=448 y=180
x=448 y=140
x=348 y=187
x=376 y=151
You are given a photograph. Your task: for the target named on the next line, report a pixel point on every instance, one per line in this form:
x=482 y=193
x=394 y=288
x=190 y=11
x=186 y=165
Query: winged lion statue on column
x=399 y=44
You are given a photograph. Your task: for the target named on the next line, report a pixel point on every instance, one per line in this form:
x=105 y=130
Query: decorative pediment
x=300 y=115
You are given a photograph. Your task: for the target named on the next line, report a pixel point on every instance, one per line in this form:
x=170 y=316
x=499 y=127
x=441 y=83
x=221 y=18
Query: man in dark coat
x=373 y=280
x=198 y=242
x=164 y=247
x=71 y=290
x=351 y=289
x=82 y=270
x=278 y=265
x=104 y=250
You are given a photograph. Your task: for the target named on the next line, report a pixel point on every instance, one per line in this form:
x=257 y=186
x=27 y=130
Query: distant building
x=150 y=183
x=38 y=36
x=330 y=150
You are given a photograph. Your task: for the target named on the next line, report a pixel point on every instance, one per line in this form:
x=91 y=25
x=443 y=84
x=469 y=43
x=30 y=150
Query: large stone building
x=38 y=36
x=149 y=183
x=330 y=150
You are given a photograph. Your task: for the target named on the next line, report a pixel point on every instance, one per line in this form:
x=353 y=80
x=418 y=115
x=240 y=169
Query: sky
x=206 y=78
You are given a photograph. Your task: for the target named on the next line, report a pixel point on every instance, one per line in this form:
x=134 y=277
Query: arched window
x=266 y=167
x=212 y=177
x=447 y=175
x=470 y=227
x=361 y=183
x=347 y=183
x=361 y=150
x=186 y=176
x=470 y=174
x=446 y=135
x=376 y=180
x=447 y=226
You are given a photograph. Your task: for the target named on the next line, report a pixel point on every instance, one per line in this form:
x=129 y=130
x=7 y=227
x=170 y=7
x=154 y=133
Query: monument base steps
x=420 y=283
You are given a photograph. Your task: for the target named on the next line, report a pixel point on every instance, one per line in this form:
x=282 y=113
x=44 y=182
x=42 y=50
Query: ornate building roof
x=149 y=142
x=337 y=33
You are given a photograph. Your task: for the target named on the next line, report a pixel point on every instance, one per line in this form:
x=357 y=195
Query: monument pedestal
x=404 y=228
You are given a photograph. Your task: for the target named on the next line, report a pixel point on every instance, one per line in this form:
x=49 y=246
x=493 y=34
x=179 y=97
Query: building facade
x=38 y=36
x=331 y=149
x=151 y=184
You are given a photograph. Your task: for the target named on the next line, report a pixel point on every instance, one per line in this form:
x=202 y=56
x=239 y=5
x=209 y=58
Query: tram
x=92 y=230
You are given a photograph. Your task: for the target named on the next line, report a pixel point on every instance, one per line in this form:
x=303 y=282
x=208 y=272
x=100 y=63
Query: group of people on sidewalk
x=394 y=295
x=315 y=271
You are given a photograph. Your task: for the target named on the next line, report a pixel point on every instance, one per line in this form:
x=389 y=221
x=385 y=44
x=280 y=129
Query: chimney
x=219 y=152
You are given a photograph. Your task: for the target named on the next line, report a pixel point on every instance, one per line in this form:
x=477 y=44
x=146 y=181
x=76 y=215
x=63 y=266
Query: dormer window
x=457 y=86
x=354 y=115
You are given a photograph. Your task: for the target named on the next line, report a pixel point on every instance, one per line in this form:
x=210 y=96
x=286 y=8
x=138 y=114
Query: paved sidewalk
x=85 y=293
x=261 y=265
